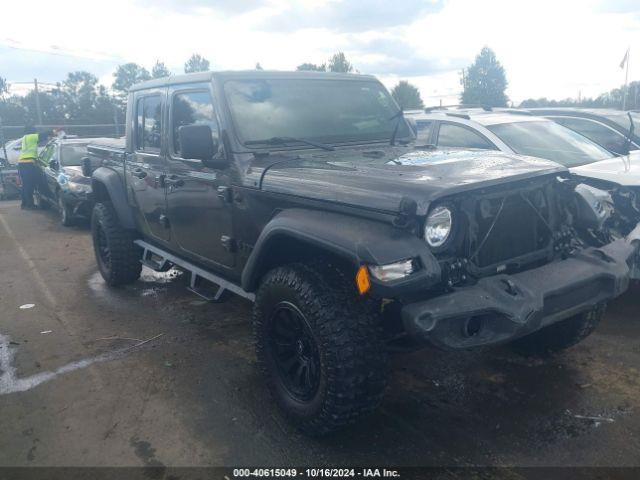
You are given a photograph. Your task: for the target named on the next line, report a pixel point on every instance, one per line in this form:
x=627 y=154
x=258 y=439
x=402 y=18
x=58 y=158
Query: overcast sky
x=552 y=48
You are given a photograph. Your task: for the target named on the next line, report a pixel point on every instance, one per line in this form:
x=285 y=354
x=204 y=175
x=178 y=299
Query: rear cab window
x=149 y=123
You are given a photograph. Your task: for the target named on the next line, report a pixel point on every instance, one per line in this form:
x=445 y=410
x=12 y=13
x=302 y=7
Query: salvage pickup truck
x=303 y=193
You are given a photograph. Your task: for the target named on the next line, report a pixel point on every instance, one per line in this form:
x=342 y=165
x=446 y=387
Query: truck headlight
x=438 y=226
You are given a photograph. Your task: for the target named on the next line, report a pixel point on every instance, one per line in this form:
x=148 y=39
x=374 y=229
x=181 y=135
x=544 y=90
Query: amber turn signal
x=362 y=280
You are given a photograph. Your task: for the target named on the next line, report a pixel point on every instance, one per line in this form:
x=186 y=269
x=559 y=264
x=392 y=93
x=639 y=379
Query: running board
x=167 y=260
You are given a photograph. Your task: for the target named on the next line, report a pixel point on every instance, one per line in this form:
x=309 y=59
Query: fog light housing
x=393 y=271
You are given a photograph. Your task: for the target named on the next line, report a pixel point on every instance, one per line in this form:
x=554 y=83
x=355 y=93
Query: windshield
x=327 y=111
x=71 y=155
x=551 y=141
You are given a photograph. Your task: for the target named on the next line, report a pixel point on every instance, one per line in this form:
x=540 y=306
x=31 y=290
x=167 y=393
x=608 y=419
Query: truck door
x=199 y=214
x=145 y=167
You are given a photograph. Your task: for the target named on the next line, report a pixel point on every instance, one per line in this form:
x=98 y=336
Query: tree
x=485 y=81
x=128 y=75
x=160 y=70
x=407 y=95
x=4 y=87
x=196 y=63
x=312 y=67
x=338 y=63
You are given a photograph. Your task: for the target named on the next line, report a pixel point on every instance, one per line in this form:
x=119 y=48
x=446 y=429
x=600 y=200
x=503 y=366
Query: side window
x=450 y=135
x=424 y=130
x=47 y=154
x=149 y=123
x=191 y=108
x=609 y=139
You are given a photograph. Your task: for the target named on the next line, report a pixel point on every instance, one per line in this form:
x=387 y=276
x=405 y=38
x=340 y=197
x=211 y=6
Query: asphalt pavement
x=150 y=375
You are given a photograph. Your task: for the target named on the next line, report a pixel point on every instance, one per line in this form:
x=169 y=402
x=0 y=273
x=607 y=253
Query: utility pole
x=626 y=79
x=38 y=110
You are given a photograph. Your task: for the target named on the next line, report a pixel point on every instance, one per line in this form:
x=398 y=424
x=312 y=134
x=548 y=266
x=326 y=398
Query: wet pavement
x=151 y=375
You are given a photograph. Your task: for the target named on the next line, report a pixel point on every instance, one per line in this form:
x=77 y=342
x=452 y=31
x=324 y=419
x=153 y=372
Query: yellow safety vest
x=29 y=150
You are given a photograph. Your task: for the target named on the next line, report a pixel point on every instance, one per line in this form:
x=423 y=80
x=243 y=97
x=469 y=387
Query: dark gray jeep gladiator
x=306 y=193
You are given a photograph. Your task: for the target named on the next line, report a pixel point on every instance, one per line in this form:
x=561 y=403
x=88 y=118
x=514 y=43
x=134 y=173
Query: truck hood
x=353 y=179
x=624 y=170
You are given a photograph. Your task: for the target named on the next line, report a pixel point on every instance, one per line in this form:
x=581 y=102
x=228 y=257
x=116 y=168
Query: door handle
x=173 y=181
x=139 y=173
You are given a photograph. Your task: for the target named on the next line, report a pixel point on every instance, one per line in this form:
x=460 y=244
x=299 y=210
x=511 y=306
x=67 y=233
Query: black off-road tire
x=561 y=335
x=348 y=337
x=117 y=256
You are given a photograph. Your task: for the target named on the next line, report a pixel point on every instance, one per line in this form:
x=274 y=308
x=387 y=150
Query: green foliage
x=610 y=99
x=407 y=95
x=4 y=87
x=128 y=75
x=338 y=63
x=160 y=70
x=311 y=67
x=485 y=81
x=197 y=63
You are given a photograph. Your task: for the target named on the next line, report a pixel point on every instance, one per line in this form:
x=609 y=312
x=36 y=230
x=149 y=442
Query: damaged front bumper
x=501 y=308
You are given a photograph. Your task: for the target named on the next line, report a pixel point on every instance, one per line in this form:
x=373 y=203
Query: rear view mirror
x=87 y=167
x=53 y=165
x=197 y=143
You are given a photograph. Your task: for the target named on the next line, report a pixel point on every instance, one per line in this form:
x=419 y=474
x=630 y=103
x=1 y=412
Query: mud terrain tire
x=117 y=256
x=338 y=334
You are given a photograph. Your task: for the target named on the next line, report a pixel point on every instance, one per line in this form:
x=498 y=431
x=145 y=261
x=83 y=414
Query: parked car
x=62 y=183
x=303 y=193
x=10 y=183
x=14 y=147
x=607 y=127
x=517 y=131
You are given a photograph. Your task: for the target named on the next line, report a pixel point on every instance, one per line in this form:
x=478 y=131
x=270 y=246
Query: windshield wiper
x=285 y=140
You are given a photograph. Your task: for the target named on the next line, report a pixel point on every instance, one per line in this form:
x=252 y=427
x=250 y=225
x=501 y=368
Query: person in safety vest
x=29 y=173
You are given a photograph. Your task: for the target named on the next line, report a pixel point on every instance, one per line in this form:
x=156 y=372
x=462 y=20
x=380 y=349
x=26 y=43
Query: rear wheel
x=319 y=347
x=561 y=335
x=117 y=256
x=38 y=200
x=66 y=215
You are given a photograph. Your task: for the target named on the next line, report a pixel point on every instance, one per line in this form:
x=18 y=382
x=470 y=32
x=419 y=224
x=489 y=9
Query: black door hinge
x=164 y=220
x=229 y=243
x=224 y=194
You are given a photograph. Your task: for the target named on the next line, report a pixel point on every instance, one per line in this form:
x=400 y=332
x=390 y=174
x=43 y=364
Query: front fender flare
x=356 y=240
x=114 y=185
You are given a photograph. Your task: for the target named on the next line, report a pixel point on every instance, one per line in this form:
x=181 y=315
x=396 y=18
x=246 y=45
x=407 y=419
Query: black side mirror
x=87 y=167
x=54 y=165
x=197 y=143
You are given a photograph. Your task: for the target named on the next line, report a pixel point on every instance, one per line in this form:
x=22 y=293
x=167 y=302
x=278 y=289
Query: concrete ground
x=77 y=388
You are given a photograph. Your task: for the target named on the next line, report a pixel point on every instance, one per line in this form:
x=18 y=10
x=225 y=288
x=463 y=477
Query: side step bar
x=167 y=260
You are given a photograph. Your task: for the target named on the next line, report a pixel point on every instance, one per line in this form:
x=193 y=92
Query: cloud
x=350 y=15
x=619 y=6
x=385 y=56
x=25 y=65
x=227 y=7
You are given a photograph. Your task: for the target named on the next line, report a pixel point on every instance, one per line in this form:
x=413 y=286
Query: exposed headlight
x=437 y=228
x=78 y=187
x=392 y=271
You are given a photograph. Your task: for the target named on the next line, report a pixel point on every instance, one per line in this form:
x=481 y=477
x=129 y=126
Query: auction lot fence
x=9 y=132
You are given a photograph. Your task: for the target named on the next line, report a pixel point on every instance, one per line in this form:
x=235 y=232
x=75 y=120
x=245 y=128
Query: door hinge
x=229 y=243
x=224 y=194
x=164 y=220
